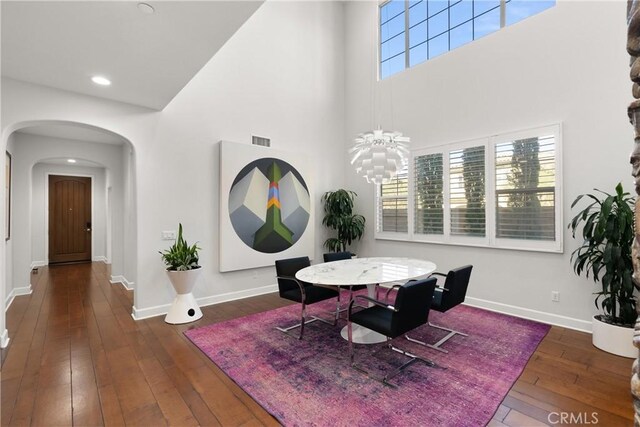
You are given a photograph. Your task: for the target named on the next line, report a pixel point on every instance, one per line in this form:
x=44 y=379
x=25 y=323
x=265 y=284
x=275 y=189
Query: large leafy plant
x=339 y=216
x=180 y=256
x=607 y=232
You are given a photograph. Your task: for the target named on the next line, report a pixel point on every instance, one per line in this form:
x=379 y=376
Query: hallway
x=77 y=357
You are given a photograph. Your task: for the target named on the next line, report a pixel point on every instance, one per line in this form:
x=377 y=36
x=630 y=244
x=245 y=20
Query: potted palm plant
x=339 y=216
x=605 y=254
x=181 y=260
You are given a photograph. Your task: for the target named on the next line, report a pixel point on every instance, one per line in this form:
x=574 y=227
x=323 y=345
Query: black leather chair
x=305 y=293
x=447 y=297
x=410 y=310
x=336 y=256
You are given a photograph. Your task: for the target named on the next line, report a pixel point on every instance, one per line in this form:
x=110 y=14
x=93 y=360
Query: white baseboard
x=36 y=264
x=16 y=292
x=99 y=259
x=4 y=339
x=232 y=296
x=139 y=314
x=526 y=313
x=123 y=281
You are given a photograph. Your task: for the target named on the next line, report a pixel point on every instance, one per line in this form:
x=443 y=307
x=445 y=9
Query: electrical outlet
x=555 y=296
x=168 y=235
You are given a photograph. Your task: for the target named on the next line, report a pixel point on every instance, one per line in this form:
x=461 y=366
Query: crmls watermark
x=580 y=418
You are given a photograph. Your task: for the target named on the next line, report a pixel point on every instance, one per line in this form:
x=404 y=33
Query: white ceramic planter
x=614 y=339
x=184 y=308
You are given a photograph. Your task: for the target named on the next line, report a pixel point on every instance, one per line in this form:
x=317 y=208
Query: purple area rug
x=310 y=382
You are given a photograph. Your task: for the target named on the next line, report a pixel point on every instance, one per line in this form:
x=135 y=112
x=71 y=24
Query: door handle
x=88 y=229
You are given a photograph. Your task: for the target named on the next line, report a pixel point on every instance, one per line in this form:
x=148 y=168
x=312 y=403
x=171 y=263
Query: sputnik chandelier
x=379 y=155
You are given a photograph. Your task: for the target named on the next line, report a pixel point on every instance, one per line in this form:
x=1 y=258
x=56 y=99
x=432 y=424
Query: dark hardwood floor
x=77 y=357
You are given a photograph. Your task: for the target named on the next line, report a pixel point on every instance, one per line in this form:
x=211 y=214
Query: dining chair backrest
x=336 y=256
x=288 y=268
x=456 y=286
x=411 y=304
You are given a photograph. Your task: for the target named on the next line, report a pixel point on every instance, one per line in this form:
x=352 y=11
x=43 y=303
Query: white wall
x=567 y=64
x=29 y=198
x=39 y=209
x=8 y=262
x=279 y=76
x=129 y=267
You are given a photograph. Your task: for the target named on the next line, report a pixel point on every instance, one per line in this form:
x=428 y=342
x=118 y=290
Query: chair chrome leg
x=447 y=329
x=350 y=339
x=385 y=380
x=303 y=314
x=350 y=298
x=438 y=345
x=304 y=320
x=297 y=325
x=429 y=363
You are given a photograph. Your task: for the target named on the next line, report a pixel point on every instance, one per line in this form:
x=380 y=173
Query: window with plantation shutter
x=429 y=196
x=525 y=188
x=393 y=206
x=467 y=191
x=501 y=191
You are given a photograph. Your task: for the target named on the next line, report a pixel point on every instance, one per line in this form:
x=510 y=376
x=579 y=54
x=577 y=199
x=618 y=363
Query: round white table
x=365 y=271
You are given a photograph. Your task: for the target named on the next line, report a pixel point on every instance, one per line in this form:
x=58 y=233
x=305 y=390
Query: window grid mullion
x=406 y=34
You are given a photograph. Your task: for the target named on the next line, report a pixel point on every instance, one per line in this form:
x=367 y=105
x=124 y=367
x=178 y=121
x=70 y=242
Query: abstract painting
x=265 y=206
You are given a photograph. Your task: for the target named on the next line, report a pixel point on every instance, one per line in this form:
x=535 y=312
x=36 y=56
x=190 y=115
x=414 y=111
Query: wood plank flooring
x=77 y=357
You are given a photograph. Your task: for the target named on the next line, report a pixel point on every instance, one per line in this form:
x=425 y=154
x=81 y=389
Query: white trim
x=526 y=313
x=4 y=339
x=100 y=259
x=123 y=281
x=158 y=310
x=16 y=292
x=36 y=264
x=399 y=237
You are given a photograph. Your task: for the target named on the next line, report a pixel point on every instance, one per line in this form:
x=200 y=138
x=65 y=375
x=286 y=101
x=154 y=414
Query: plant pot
x=614 y=339
x=184 y=308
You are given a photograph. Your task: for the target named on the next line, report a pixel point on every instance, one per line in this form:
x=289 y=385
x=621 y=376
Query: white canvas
x=268 y=213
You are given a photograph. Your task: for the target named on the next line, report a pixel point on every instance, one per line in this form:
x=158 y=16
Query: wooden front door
x=69 y=219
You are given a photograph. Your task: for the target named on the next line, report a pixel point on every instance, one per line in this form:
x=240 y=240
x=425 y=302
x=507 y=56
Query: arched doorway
x=41 y=148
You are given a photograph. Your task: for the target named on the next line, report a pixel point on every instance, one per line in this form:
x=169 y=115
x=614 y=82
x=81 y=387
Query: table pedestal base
x=362 y=335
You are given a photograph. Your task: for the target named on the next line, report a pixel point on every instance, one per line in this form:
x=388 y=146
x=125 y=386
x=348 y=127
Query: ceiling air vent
x=258 y=140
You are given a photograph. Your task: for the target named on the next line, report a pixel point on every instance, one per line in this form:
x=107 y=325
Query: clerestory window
x=413 y=31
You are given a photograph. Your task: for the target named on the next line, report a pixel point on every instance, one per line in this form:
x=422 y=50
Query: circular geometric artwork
x=269 y=205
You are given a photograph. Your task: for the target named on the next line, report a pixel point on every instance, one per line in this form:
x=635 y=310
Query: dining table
x=371 y=271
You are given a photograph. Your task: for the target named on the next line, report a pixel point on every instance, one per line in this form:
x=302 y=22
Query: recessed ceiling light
x=71 y=160
x=146 y=8
x=102 y=81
